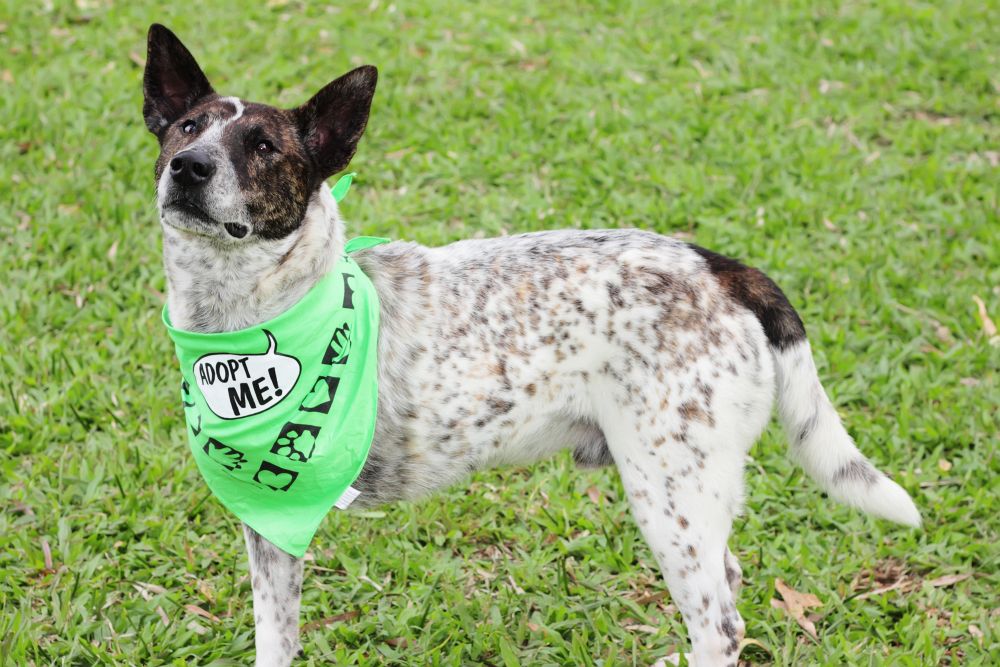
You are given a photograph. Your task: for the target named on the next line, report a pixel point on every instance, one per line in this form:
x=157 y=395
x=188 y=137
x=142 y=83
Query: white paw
x=672 y=659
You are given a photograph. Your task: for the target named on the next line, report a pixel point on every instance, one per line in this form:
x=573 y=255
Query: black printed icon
x=226 y=456
x=186 y=394
x=191 y=413
x=296 y=441
x=348 y=292
x=339 y=346
x=320 y=397
x=274 y=477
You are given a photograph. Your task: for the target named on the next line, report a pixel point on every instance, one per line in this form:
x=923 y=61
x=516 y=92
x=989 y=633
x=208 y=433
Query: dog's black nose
x=191 y=167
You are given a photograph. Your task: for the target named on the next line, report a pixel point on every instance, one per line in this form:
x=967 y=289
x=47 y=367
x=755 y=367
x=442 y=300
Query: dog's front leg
x=276 y=578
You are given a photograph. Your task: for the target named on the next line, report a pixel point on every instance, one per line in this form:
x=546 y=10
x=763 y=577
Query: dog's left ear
x=332 y=122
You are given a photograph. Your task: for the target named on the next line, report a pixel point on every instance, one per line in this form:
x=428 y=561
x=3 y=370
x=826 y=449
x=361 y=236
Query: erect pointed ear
x=332 y=122
x=172 y=83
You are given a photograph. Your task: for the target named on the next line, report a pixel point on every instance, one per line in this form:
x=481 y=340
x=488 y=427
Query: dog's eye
x=264 y=146
x=189 y=127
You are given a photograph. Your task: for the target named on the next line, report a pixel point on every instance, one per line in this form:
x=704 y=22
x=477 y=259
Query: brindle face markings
x=268 y=163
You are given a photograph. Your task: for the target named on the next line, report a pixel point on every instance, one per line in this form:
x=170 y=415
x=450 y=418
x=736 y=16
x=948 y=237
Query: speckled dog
x=627 y=347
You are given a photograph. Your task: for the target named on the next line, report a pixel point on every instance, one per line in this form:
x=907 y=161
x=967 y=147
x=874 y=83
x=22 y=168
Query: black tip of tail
x=760 y=295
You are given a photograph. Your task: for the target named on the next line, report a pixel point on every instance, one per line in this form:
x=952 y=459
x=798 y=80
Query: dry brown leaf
x=330 y=620
x=795 y=603
x=635 y=77
x=145 y=594
x=23 y=508
x=152 y=588
x=902 y=583
x=639 y=627
x=941 y=617
x=794 y=598
x=989 y=328
x=943 y=333
x=595 y=495
x=206 y=590
x=747 y=641
x=906 y=583
x=47 y=554
x=163 y=615
x=948 y=580
x=649 y=596
x=888 y=575
x=198 y=611
x=935 y=118
x=399 y=154
x=197 y=628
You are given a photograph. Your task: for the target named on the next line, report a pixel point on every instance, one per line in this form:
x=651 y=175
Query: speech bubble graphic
x=240 y=385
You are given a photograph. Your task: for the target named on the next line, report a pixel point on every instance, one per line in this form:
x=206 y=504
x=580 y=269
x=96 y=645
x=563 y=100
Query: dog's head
x=236 y=172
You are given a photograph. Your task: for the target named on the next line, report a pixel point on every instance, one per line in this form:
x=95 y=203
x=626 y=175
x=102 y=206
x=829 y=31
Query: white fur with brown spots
x=625 y=346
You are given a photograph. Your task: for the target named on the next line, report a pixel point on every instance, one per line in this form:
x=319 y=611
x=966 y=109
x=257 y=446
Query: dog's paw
x=672 y=659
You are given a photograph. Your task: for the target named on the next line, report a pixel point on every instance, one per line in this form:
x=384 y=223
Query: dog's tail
x=818 y=441
x=821 y=445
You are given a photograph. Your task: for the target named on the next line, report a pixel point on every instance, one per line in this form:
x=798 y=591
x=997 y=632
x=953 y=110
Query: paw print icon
x=296 y=441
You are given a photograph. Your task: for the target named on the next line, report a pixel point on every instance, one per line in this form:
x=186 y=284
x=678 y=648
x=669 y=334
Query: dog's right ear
x=172 y=83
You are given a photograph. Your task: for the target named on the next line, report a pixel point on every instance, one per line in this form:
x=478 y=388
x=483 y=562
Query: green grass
x=851 y=152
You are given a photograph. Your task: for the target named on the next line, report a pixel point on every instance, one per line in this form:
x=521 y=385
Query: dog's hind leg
x=276 y=578
x=681 y=464
x=687 y=527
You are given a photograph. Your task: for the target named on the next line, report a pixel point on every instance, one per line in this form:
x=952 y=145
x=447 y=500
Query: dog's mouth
x=191 y=210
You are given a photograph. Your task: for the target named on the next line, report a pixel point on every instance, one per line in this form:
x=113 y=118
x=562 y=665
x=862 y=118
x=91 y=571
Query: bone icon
x=240 y=385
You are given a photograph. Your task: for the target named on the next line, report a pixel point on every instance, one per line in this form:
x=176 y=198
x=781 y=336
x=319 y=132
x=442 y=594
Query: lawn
x=852 y=152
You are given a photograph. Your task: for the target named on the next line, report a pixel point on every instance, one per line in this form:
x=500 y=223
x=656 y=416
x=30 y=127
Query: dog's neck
x=211 y=288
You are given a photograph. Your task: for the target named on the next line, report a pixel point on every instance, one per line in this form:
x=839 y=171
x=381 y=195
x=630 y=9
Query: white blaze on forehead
x=237 y=104
x=213 y=133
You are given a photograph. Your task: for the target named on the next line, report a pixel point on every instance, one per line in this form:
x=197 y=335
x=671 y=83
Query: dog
x=630 y=348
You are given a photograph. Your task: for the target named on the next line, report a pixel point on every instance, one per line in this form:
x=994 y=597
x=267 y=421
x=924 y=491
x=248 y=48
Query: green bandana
x=281 y=415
